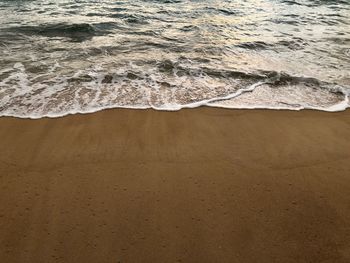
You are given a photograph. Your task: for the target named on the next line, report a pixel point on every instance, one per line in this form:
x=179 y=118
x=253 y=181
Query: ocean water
x=61 y=57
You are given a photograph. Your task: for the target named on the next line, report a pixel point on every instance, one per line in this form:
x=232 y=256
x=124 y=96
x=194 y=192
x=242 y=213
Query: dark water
x=60 y=57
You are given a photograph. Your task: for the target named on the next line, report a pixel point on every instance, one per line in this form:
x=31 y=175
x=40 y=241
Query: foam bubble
x=52 y=91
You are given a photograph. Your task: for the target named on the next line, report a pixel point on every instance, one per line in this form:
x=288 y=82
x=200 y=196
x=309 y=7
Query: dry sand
x=199 y=185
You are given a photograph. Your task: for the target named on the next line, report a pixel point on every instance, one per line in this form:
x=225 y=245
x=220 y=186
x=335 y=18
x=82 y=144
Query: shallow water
x=60 y=57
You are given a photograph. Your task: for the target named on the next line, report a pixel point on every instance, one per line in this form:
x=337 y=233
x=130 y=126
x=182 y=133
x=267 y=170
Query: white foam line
x=208 y=101
x=343 y=105
x=175 y=107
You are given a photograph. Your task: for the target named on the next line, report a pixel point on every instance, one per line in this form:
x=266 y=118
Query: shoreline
x=196 y=185
x=210 y=103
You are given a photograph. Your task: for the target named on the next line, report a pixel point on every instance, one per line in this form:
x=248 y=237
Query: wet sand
x=198 y=185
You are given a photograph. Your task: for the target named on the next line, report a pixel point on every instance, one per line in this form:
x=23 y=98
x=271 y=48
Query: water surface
x=60 y=57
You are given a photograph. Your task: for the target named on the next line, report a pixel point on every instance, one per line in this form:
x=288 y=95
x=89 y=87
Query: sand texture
x=197 y=185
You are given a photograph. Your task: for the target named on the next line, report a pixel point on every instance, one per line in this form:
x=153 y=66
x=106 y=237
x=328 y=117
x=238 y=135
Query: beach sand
x=197 y=185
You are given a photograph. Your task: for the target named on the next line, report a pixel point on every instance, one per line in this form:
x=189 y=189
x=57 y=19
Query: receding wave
x=167 y=86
